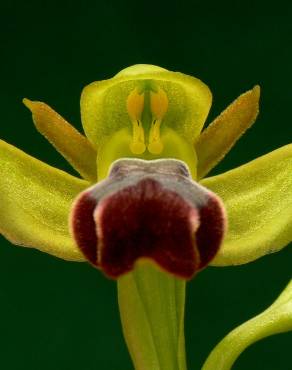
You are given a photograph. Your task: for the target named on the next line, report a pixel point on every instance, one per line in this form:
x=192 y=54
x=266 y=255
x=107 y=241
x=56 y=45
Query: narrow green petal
x=220 y=136
x=73 y=146
x=276 y=319
x=35 y=202
x=258 y=199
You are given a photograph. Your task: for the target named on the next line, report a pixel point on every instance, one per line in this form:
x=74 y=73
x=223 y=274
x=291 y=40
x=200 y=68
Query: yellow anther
x=159 y=105
x=135 y=106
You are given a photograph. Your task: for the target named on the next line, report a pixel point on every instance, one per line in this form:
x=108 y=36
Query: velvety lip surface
x=141 y=211
x=147 y=221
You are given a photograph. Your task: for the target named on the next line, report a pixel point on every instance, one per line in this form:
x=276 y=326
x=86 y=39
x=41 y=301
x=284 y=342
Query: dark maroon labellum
x=148 y=209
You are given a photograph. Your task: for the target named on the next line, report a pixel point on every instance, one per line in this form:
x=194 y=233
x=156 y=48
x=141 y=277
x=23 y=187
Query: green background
x=60 y=315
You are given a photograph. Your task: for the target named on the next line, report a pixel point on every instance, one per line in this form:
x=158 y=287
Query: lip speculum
x=148 y=210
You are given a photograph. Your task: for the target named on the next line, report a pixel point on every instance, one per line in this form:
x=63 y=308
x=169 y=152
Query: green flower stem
x=276 y=319
x=152 y=305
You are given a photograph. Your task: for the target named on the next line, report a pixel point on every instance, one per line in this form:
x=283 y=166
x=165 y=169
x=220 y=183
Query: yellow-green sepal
x=257 y=198
x=274 y=320
x=35 y=203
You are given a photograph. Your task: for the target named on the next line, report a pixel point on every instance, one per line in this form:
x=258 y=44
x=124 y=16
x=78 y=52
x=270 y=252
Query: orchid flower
x=143 y=210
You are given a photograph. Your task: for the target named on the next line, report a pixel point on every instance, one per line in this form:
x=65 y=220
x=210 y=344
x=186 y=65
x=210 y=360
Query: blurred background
x=64 y=316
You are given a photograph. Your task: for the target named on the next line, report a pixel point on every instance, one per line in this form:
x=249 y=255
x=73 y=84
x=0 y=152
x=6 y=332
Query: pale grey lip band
x=173 y=174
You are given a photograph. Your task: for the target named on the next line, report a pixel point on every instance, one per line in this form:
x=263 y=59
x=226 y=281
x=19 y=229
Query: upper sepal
x=104 y=110
x=157 y=213
x=145 y=112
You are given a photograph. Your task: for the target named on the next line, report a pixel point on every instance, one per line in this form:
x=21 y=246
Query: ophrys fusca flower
x=143 y=195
